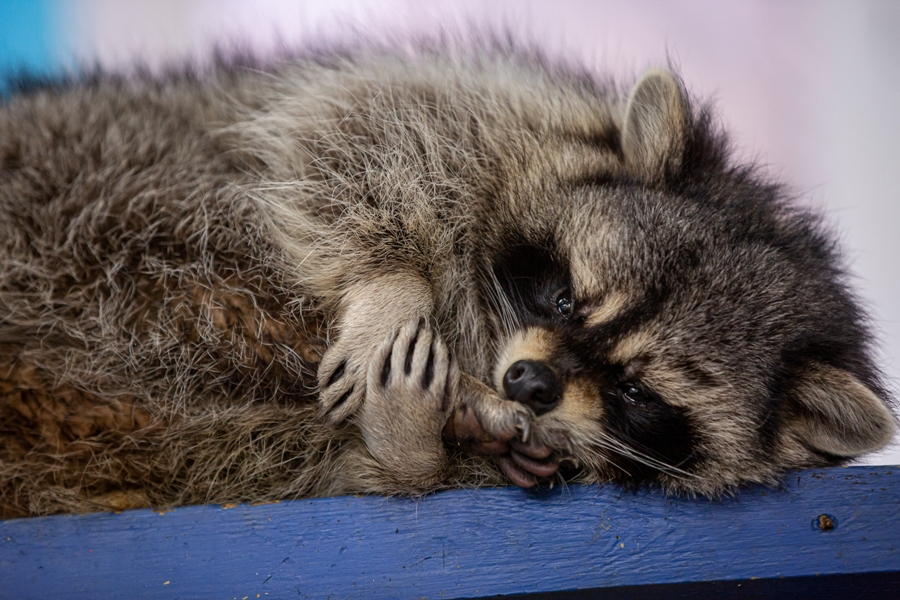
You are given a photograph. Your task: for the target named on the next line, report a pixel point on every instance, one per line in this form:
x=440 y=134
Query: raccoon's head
x=679 y=322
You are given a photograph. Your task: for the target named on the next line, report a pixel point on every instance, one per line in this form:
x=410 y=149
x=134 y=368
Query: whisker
x=509 y=320
x=619 y=447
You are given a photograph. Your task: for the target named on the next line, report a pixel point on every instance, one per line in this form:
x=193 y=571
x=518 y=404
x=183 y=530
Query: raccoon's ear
x=836 y=414
x=655 y=126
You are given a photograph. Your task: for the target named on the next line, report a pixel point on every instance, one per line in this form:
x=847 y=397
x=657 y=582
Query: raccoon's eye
x=564 y=305
x=633 y=392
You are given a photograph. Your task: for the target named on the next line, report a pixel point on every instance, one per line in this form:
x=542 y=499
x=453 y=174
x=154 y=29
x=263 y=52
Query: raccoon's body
x=395 y=274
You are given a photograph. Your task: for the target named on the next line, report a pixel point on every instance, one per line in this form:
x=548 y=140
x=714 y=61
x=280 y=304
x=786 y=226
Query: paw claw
x=523 y=424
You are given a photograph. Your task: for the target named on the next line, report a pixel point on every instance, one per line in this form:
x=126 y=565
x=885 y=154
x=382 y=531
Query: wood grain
x=464 y=543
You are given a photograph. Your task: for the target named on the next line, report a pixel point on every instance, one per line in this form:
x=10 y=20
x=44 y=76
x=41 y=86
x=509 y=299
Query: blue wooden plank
x=462 y=543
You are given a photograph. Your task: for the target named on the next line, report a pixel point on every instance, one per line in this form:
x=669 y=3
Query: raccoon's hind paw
x=413 y=362
x=409 y=381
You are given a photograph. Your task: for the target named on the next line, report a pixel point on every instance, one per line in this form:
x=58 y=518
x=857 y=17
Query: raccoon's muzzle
x=533 y=384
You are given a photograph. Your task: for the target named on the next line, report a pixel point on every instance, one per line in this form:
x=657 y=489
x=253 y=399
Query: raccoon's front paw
x=487 y=425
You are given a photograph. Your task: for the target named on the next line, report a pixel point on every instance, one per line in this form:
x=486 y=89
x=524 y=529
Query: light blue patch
x=27 y=39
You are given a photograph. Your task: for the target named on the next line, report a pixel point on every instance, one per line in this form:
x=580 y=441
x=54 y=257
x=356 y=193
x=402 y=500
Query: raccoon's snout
x=532 y=384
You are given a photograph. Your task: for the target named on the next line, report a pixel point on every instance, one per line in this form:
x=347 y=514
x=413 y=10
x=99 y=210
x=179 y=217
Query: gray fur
x=209 y=288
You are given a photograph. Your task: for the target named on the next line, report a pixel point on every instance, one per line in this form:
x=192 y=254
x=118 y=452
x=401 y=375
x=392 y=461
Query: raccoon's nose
x=532 y=384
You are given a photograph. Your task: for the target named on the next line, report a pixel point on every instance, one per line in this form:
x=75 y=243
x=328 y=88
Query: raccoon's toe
x=516 y=473
x=341 y=399
x=537 y=459
x=342 y=386
x=535 y=451
x=527 y=462
x=487 y=425
x=541 y=468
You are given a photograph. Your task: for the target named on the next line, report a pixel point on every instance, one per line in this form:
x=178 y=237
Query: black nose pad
x=533 y=384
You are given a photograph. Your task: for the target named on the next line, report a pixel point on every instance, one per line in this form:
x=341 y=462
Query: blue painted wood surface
x=464 y=543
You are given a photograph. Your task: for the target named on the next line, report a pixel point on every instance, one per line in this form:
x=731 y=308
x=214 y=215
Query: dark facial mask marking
x=637 y=416
x=534 y=279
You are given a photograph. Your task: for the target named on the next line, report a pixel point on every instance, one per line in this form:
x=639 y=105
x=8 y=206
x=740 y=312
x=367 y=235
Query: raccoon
x=395 y=272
